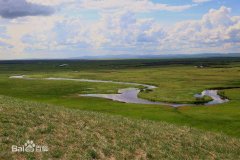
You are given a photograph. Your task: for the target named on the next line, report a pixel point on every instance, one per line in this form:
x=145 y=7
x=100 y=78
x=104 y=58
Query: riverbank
x=176 y=83
x=130 y=95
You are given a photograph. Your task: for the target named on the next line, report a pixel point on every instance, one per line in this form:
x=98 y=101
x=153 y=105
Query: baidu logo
x=29 y=147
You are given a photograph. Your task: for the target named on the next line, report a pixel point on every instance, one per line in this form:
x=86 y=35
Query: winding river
x=130 y=95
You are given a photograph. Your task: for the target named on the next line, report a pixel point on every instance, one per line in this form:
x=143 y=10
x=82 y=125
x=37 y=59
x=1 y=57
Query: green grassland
x=51 y=112
x=76 y=134
x=177 y=81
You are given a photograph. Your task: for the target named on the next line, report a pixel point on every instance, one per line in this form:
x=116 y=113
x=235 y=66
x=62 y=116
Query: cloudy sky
x=76 y=28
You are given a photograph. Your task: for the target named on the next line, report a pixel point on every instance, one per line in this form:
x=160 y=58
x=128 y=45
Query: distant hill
x=129 y=56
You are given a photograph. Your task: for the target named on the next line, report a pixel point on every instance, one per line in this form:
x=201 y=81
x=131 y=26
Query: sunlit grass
x=176 y=83
x=75 y=134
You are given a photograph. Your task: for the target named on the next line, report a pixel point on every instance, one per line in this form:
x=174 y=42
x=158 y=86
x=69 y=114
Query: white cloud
x=50 y=2
x=201 y=1
x=16 y=29
x=122 y=31
x=216 y=29
x=130 y=5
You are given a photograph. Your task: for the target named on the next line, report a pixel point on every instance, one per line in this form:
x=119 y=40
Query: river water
x=130 y=95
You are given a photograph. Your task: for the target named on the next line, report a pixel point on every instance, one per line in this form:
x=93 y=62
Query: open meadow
x=49 y=110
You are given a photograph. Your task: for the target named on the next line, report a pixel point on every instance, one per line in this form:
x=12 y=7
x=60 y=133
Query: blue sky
x=77 y=28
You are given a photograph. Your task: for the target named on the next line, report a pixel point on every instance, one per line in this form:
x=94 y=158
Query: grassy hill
x=178 y=80
x=76 y=134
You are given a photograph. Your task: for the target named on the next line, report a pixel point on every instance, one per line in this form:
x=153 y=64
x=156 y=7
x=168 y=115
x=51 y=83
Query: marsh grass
x=178 y=80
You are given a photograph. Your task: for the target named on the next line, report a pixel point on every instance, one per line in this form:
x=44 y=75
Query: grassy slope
x=178 y=80
x=223 y=118
x=74 y=134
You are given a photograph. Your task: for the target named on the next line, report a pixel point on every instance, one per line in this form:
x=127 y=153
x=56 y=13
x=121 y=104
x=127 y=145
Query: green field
x=177 y=81
x=75 y=134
